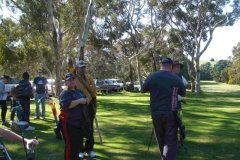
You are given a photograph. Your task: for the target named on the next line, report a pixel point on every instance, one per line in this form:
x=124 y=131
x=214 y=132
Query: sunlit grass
x=212 y=121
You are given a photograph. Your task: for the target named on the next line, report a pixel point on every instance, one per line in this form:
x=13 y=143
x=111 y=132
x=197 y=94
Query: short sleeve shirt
x=40 y=83
x=75 y=115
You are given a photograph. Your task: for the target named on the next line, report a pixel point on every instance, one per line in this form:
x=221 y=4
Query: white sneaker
x=91 y=154
x=29 y=128
x=81 y=155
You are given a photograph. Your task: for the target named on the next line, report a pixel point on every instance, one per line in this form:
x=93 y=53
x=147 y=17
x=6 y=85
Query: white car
x=137 y=86
x=51 y=87
x=118 y=83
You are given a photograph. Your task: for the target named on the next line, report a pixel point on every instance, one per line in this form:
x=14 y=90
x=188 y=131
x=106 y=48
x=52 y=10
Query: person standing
x=72 y=120
x=164 y=86
x=41 y=93
x=177 y=70
x=24 y=93
x=3 y=98
x=177 y=66
x=86 y=84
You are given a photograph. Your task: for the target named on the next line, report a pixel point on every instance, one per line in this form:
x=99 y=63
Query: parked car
x=51 y=87
x=12 y=83
x=117 y=83
x=137 y=86
x=104 y=85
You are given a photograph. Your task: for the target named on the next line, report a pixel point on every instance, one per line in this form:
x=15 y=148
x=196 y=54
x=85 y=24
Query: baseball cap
x=80 y=64
x=175 y=63
x=166 y=60
x=6 y=77
x=69 y=75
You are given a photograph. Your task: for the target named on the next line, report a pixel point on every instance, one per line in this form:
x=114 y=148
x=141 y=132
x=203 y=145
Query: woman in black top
x=72 y=118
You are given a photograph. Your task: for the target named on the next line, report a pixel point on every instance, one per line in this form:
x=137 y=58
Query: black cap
x=6 y=77
x=166 y=61
x=175 y=63
x=69 y=76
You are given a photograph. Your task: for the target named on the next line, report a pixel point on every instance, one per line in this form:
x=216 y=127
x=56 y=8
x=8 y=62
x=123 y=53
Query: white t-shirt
x=185 y=82
x=3 y=93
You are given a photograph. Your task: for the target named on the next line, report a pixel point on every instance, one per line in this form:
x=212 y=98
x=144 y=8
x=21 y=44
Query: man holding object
x=164 y=87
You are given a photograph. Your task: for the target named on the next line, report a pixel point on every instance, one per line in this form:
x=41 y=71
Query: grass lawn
x=212 y=121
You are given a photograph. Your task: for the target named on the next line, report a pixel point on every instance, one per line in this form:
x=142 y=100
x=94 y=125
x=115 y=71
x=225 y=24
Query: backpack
x=24 y=90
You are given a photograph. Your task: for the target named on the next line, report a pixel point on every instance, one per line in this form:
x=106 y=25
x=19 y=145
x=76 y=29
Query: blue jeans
x=40 y=99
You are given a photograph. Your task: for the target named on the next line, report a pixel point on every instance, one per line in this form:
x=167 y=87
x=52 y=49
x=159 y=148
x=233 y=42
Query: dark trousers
x=166 y=132
x=13 y=111
x=3 y=104
x=89 y=137
x=25 y=103
x=73 y=137
x=89 y=144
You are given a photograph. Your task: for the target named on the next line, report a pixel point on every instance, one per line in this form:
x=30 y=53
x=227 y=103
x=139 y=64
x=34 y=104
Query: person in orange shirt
x=85 y=83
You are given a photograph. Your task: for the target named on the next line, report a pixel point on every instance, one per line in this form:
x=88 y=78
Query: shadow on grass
x=212 y=122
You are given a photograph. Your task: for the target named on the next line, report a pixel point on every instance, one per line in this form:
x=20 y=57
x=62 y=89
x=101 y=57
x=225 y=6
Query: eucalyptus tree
x=110 y=25
x=155 y=31
x=16 y=56
x=233 y=69
x=59 y=22
x=219 y=71
x=194 y=21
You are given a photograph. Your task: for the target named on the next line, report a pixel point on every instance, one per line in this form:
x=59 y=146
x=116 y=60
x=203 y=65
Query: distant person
x=14 y=102
x=177 y=66
x=86 y=84
x=41 y=93
x=164 y=86
x=72 y=120
x=24 y=94
x=3 y=98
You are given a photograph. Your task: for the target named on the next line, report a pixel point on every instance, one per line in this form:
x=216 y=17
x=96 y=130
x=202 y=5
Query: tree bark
x=197 y=78
x=83 y=38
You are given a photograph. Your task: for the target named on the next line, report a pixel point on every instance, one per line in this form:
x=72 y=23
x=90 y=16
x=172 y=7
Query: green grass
x=212 y=121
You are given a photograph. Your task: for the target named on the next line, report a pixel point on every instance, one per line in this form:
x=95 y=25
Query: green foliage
x=206 y=69
x=219 y=72
x=233 y=69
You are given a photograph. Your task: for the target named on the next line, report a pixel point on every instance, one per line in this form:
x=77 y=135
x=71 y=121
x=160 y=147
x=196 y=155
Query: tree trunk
x=83 y=38
x=139 y=73
x=130 y=72
x=197 y=78
x=55 y=27
x=191 y=72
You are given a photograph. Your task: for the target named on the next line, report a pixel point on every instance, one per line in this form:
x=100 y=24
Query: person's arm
x=66 y=101
x=185 y=82
x=181 y=89
x=2 y=88
x=15 y=137
x=77 y=102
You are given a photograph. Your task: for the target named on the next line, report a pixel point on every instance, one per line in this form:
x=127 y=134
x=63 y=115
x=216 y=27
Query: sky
x=224 y=39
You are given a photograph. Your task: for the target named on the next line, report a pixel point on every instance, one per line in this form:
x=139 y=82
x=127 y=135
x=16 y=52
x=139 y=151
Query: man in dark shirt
x=41 y=92
x=164 y=86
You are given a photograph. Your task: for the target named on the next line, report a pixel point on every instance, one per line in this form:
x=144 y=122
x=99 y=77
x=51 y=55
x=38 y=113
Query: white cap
x=80 y=63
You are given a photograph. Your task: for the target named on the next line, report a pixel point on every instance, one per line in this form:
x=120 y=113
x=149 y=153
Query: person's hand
x=31 y=142
x=87 y=101
x=84 y=101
